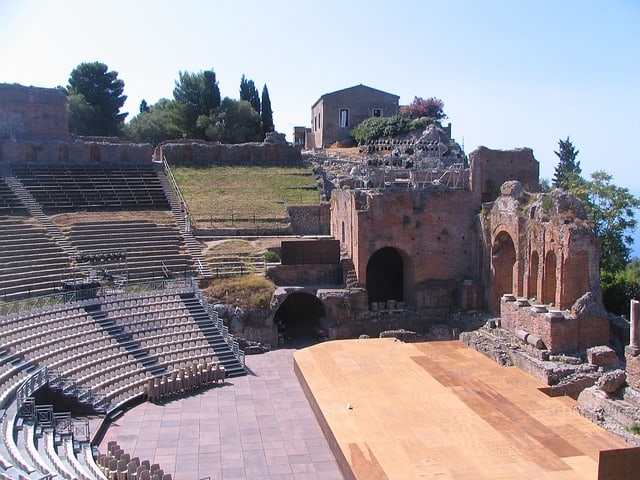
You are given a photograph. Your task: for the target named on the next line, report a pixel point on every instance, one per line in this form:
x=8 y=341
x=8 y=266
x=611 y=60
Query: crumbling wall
x=555 y=258
x=33 y=113
x=560 y=331
x=543 y=258
x=207 y=154
x=74 y=152
x=491 y=168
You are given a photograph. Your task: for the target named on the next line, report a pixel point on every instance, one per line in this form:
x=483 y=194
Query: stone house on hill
x=334 y=114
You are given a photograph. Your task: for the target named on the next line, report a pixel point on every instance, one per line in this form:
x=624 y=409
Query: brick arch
x=549 y=281
x=503 y=261
x=532 y=278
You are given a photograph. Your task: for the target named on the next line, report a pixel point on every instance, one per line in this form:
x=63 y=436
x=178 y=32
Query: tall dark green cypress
x=266 y=114
x=568 y=169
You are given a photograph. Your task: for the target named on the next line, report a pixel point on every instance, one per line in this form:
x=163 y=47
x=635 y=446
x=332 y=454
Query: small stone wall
x=310 y=219
x=559 y=331
x=306 y=274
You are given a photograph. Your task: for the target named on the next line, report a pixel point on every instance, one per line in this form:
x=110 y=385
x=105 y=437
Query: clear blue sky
x=511 y=73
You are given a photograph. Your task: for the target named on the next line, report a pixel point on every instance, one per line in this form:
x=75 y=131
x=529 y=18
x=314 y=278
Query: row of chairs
x=116 y=464
x=181 y=381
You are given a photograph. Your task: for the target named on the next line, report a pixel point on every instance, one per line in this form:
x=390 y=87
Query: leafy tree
x=611 y=211
x=197 y=94
x=249 y=92
x=618 y=289
x=240 y=122
x=95 y=99
x=431 y=107
x=162 y=121
x=266 y=115
x=568 y=169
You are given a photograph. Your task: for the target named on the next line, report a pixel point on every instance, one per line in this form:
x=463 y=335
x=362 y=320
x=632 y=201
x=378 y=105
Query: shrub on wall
x=376 y=127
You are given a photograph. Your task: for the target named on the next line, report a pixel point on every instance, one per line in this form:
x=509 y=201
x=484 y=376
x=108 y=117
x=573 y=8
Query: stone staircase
x=189 y=240
x=223 y=351
x=351 y=277
x=35 y=210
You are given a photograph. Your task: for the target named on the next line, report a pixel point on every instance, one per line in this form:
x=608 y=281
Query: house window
x=376 y=112
x=344 y=118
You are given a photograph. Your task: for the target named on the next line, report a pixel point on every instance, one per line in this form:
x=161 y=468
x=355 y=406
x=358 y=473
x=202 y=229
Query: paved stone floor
x=258 y=427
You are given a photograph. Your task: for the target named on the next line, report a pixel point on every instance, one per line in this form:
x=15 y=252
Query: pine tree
x=95 y=99
x=568 y=169
x=266 y=114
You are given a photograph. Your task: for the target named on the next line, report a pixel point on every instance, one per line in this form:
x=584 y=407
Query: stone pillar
x=634 y=343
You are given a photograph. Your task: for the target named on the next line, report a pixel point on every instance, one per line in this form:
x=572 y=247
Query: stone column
x=634 y=344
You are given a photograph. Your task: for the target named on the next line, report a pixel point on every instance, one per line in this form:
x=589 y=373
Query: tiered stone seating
x=111 y=350
x=9 y=203
x=31 y=262
x=92 y=186
x=150 y=248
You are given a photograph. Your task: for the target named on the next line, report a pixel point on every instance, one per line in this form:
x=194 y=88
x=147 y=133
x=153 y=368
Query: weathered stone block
x=602 y=355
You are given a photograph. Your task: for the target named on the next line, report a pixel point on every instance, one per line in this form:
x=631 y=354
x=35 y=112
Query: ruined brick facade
x=438 y=248
x=28 y=113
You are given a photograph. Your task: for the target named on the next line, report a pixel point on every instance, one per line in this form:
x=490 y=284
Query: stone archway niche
x=503 y=259
x=300 y=314
x=385 y=276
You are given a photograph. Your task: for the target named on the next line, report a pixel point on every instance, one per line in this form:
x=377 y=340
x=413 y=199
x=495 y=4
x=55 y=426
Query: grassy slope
x=220 y=192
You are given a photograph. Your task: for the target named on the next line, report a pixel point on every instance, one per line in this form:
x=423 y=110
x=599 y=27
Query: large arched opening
x=298 y=318
x=385 y=276
x=503 y=259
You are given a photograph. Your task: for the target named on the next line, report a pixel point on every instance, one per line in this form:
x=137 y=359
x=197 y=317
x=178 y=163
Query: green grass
x=634 y=428
x=215 y=195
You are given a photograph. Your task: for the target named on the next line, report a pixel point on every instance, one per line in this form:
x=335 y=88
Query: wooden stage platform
x=393 y=410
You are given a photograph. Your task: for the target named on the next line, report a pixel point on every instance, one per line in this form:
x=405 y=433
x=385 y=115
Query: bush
x=271 y=257
x=247 y=291
x=376 y=127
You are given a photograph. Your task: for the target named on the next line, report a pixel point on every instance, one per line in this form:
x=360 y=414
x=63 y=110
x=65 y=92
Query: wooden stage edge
x=393 y=410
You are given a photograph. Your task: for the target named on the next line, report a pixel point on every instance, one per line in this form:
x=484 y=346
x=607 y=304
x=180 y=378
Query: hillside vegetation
x=232 y=196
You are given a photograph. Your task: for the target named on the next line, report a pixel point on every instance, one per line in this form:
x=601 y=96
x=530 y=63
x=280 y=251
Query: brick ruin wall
x=560 y=331
x=491 y=168
x=32 y=113
x=433 y=228
x=206 y=154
